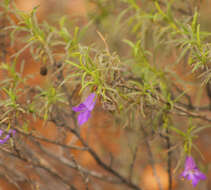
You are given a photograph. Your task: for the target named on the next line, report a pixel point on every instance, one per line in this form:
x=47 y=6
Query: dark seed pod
x=43 y=70
x=59 y=64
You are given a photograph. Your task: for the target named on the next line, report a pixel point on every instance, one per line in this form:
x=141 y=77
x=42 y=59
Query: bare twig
x=76 y=166
x=39 y=165
x=103 y=164
x=50 y=141
x=151 y=159
x=182 y=110
x=134 y=154
x=169 y=157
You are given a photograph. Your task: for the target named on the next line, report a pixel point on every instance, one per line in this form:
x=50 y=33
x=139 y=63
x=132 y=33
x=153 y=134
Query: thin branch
x=7 y=174
x=151 y=159
x=76 y=166
x=169 y=157
x=185 y=112
x=190 y=105
x=104 y=165
x=50 y=141
x=132 y=164
x=182 y=110
x=39 y=165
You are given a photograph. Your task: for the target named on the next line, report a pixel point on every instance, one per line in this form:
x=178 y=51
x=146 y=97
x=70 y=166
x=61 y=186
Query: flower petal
x=89 y=102
x=184 y=174
x=83 y=117
x=200 y=175
x=80 y=107
x=189 y=163
x=2 y=141
x=197 y=176
x=192 y=172
x=190 y=176
x=195 y=181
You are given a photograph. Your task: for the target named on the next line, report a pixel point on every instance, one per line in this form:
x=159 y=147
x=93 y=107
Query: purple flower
x=85 y=109
x=2 y=141
x=192 y=172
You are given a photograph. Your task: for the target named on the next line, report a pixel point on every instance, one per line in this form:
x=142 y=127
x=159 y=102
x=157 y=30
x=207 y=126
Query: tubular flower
x=85 y=109
x=192 y=172
x=2 y=141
